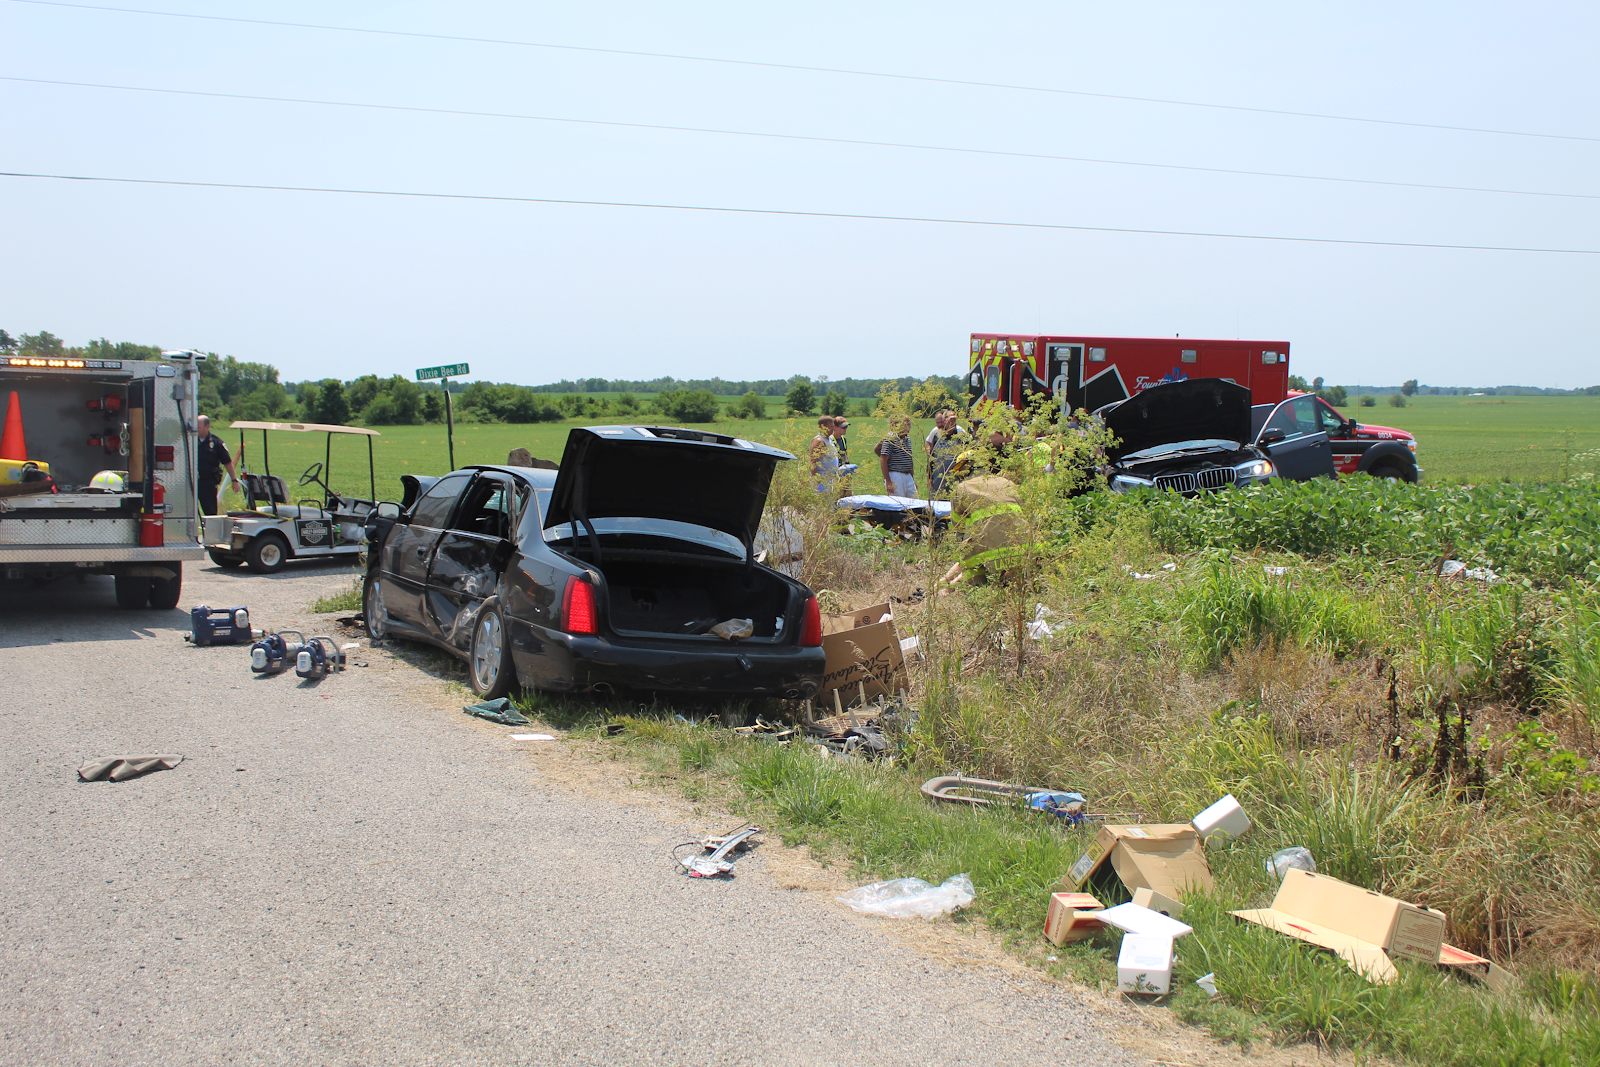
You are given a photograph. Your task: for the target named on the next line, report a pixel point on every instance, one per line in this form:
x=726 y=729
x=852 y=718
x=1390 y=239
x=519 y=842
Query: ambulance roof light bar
x=53 y=363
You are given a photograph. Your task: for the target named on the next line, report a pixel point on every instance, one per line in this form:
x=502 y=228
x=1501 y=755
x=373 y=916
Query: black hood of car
x=1191 y=410
x=657 y=472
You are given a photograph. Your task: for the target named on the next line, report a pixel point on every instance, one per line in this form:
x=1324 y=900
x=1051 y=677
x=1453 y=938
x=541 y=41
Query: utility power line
x=809 y=69
x=794 y=137
x=791 y=213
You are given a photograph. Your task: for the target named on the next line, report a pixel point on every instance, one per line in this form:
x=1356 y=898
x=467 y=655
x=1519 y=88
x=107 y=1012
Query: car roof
x=537 y=477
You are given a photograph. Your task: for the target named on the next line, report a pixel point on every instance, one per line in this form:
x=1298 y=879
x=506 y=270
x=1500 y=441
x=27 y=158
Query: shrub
x=1369 y=401
x=1396 y=400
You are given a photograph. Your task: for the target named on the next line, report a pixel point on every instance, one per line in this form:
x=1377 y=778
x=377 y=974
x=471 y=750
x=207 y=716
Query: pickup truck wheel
x=226 y=562
x=133 y=592
x=267 y=553
x=1388 y=472
x=164 y=592
x=489 y=668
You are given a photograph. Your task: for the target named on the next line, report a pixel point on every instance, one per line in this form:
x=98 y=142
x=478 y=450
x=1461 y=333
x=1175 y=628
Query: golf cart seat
x=264 y=489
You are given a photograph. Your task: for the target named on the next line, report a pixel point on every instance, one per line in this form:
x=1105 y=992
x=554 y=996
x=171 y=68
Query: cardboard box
x=862 y=648
x=1498 y=979
x=1165 y=857
x=1144 y=965
x=1222 y=821
x=1149 y=898
x=1363 y=927
x=1072 y=917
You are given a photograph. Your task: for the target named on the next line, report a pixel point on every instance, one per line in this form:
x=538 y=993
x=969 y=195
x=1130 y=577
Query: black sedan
x=630 y=568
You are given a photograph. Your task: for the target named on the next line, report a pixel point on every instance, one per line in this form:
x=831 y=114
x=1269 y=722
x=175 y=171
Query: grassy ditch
x=1425 y=737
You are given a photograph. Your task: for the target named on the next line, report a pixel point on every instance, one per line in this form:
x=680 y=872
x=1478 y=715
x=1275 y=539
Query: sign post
x=443 y=374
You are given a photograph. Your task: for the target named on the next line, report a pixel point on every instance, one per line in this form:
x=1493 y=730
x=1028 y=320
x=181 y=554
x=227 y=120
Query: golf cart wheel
x=223 y=560
x=489 y=669
x=164 y=592
x=133 y=592
x=373 y=610
x=267 y=553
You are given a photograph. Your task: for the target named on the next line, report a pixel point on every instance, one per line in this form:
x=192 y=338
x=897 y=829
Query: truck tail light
x=811 y=625
x=577 y=607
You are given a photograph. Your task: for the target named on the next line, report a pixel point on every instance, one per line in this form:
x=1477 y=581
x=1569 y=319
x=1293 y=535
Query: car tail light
x=811 y=625
x=577 y=608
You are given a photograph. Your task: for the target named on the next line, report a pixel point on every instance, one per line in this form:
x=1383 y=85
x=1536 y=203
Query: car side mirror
x=1352 y=426
x=1272 y=437
x=388 y=509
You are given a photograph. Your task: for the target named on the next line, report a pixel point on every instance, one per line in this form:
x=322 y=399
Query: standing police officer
x=214 y=458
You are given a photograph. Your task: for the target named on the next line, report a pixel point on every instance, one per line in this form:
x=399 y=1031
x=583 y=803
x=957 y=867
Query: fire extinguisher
x=152 y=533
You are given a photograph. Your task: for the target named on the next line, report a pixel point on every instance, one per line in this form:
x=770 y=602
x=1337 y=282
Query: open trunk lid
x=690 y=476
x=1193 y=410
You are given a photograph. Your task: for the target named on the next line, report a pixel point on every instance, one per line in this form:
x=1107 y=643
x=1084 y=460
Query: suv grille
x=1210 y=478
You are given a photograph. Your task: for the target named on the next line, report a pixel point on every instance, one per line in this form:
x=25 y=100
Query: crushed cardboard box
x=1167 y=858
x=863 y=654
x=1363 y=927
x=1149 y=898
x=1072 y=917
x=1144 y=964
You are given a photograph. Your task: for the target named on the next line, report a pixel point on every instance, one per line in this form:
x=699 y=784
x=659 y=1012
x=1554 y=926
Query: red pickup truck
x=1381 y=451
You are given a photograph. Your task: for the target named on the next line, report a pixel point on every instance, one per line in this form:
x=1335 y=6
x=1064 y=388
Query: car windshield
x=1182 y=446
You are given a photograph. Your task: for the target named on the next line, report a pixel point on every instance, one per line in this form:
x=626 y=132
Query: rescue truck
x=97 y=472
x=1087 y=373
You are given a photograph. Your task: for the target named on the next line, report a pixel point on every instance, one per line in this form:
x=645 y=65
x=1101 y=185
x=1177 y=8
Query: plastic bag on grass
x=1291 y=859
x=908 y=898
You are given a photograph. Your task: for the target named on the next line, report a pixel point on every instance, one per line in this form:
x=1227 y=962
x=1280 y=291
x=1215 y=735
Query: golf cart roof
x=303 y=427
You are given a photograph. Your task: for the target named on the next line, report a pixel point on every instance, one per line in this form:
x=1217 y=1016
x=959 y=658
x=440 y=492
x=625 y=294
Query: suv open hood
x=658 y=472
x=1191 y=410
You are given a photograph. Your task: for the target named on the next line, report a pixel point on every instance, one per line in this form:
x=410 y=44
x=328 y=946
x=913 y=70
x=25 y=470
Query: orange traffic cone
x=12 y=446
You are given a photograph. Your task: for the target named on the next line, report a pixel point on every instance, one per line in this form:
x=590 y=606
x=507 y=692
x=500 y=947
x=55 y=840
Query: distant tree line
x=850 y=388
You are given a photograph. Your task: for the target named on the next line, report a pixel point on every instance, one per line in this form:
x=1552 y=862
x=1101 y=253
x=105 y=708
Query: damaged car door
x=404 y=560
x=472 y=554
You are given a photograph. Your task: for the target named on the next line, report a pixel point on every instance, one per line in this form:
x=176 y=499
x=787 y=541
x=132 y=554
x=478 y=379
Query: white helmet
x=107 y=482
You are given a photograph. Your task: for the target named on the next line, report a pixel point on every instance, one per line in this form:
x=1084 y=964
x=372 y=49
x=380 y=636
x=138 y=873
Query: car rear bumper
x=552 y=659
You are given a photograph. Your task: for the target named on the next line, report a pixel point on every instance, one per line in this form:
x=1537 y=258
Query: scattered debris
x=1454 y=568
x=1208 y=982
x=863 y=650
x=500 y=711
x=1135 y=919
x=1294 y=858
x=1039 y=629
x=1165 y=857
x=1072 y=917
x=766 y=731
x=615 y=728
x=1169 y=566
x=220 y=626
x=715 y=861
x=1136 y=574
x=733 y=629
x=1068 y=806
x=1144 y=964
x=1276 y=572
x=1149 y=898
x=906 y=898
x=1365 y=928
x=533 y=737
x=1221 y=822
x=121 y=768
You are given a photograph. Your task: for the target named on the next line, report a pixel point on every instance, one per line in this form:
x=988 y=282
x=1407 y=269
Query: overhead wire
x=812 y=138
x=791 y=213
x=813 y=69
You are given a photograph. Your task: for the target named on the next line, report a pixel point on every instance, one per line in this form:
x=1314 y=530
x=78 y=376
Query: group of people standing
x=830 y=455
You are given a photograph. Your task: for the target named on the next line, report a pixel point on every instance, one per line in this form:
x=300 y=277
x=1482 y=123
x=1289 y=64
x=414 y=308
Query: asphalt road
x=353 y=872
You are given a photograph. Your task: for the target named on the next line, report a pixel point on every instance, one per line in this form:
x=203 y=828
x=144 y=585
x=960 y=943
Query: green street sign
x=449 y=370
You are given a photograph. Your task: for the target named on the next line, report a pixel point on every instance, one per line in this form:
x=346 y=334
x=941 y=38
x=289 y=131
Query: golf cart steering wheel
x=313 y=476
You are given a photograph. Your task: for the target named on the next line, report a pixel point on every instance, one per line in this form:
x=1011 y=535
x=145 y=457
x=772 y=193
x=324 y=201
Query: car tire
x=1388 y=472
x=226 y=562
x=373 y=611
x=267 y=553
x=489 y=668
x=164 y=592
x=133 y=591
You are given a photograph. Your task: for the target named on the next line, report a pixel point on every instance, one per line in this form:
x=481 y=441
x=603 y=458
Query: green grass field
x=1461 y=439
x=1492 y=438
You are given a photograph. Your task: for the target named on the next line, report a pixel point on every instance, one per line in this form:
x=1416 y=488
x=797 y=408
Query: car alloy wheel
x=377 y=616
x=488 y=650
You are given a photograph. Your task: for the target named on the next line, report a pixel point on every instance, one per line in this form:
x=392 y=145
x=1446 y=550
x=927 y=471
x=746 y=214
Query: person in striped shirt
x=896 y=460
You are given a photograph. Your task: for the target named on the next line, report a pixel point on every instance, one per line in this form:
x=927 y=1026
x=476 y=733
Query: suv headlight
x=1121 y=483
x=1255 y=468
x=1412 y=444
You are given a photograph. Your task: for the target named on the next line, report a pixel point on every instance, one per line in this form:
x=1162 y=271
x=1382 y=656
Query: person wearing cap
x=841 y=426
x=213 y=459
x=825 y=456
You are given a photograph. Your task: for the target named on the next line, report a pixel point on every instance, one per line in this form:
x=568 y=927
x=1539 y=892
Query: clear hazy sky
x=324 y=284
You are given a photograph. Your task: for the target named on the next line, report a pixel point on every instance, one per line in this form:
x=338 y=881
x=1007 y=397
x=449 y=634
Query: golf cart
x=271 y=530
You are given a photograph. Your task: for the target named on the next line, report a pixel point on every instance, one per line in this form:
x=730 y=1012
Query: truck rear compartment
x=662 y=593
